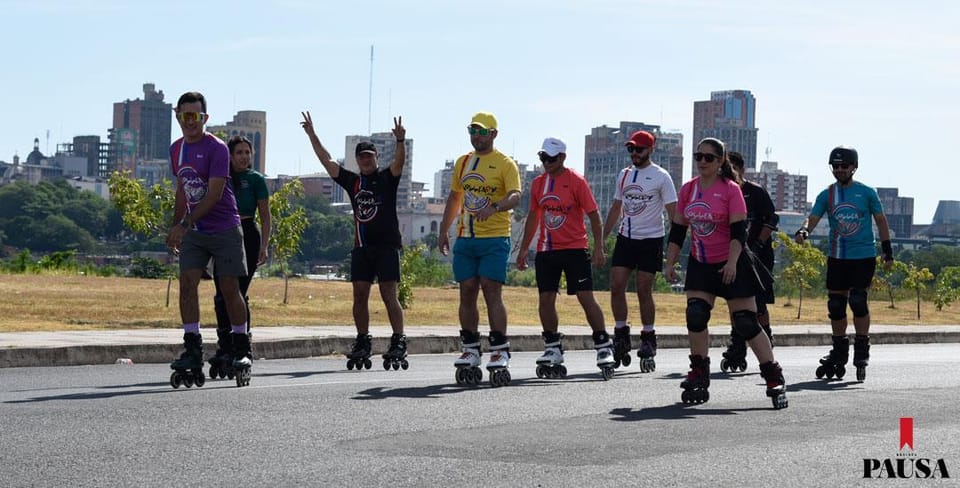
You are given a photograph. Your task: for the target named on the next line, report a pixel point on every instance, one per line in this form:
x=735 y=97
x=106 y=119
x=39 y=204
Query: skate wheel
x=458 y=375
x=840 y=371
x=386 y=364
x=367 y=364
x=723 y=365
x=187 y=380
x=563 y=371
x=404 y=364
x=540 y=372
x=821 y=372
x=175 y=380
x=616 y=363
x=685 y=397
x=780 y=402
x=742 y=366
x=199 y=380
x=626 y=360
x=861 y=373
x=214 y=371
x=829 y=374
x=396 y=365
x=229 y=375
x=607 y=373
x=350 y=365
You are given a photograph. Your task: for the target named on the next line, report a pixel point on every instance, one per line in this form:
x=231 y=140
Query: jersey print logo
x=848 y=219
x=635 y=201
x=476 y=193
x=701 y=219
x=194 y=188
x=553 y=212
x=367 y=205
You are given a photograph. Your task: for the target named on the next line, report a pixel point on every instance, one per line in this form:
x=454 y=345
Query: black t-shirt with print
x=374 y=201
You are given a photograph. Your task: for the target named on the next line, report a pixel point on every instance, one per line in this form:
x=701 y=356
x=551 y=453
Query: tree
x=948 y=287
x=884 y=280
x=915 y=280
x=288 y=226
x=146 y=213
x=806 y=263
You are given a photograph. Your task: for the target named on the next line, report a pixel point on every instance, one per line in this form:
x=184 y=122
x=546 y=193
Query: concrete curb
x=14 y=357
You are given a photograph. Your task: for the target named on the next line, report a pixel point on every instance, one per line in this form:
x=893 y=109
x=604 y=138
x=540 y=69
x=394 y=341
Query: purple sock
x=193 y=328
x=239 y=329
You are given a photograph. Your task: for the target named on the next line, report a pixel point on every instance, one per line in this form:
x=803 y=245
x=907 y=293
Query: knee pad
x=858 y=302
x=837 y=307
x=698 y=314
x=746 y=324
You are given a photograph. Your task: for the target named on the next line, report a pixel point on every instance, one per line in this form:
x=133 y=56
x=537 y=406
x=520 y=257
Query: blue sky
x=877 y=75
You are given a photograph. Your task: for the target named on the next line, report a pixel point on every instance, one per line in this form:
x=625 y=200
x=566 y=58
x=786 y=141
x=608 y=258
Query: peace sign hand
x=398 y=130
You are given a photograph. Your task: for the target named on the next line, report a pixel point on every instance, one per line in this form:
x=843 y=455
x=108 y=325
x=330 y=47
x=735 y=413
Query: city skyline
x=859 y=74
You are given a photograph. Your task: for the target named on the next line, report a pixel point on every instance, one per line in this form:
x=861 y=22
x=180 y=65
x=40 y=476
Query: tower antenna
x=370 y=96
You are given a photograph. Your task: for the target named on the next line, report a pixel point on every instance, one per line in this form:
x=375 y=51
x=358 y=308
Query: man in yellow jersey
x=484 y=188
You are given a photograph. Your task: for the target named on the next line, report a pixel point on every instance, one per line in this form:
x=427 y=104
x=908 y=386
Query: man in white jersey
x=644 y=190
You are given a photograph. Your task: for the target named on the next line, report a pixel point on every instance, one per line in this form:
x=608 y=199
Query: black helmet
x=843 y=154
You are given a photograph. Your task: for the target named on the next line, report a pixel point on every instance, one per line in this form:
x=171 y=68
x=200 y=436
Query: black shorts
x=845 y=274
x=574 y=263
x=707 y=278
x=380 y=262
x=642 y=254
x=763 y=263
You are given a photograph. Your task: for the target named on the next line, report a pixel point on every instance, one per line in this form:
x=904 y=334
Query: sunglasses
x=840 y=165
x=191 y=116
x=479 y=131
x=636 y=149
x=547 y=159
x=699 y=156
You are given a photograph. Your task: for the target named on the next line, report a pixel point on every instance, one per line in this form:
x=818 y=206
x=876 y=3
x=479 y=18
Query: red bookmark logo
x=906 y=432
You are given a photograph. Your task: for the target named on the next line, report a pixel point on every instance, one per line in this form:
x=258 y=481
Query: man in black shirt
x=377 y=242
x=762 y=221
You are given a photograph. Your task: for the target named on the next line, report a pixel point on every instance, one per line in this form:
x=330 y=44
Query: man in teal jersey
x=852 y=259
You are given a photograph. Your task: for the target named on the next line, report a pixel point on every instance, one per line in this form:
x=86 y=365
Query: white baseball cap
x=553 y=146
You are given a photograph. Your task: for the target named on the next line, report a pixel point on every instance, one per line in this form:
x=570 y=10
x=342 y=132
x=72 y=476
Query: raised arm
x=400 y=155
x=331 y=166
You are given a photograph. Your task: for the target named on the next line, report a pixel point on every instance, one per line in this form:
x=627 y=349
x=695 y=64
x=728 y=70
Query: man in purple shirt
x=206 y=225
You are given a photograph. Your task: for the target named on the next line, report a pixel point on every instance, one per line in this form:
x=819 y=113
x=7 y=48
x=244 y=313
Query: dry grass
x=70 y=302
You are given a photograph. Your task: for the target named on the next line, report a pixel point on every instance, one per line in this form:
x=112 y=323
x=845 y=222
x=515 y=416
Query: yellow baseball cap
x=485 y=120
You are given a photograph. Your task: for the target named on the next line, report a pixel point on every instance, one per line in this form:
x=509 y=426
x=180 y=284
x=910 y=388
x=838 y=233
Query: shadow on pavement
x=300 y=374
x=823 y=385
x=677 y=411
x=435 y=391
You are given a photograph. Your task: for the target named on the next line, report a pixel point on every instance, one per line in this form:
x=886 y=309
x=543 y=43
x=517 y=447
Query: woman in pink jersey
x=712 y=206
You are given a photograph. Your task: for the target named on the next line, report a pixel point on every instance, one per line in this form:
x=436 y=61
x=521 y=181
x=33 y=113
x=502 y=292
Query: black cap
x=843 y=154
x=366 y=146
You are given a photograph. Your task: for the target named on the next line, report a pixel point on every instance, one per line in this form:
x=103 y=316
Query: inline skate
x=468 y=364
x=188 y=369
x=695 y=387
x=776 y=386
x=499 y=365
x=648 y=349
x=861 y=356
x=550 y=363
x=604 y=346
x=834 y=363
x=359 y=356
x=242 y=358
x=621 y=347
x=735 y=357
x=396 y=356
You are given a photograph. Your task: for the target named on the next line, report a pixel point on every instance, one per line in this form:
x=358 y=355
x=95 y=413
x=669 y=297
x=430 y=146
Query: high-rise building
x=251 y=124
x=946 y=220
x=788 y=192
x=898 y=210
x=144 y=126
x=442 y=178
x=729 y=116
x=98 y=154
x=604 y=156
x=386 y=145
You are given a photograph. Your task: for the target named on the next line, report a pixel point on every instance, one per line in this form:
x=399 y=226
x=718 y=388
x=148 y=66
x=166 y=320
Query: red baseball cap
x=641 y=138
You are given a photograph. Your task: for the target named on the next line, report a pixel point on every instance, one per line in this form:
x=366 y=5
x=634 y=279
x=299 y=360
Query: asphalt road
x=309 y=422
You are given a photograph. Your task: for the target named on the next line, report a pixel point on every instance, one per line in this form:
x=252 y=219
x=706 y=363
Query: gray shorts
x=226 y=249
